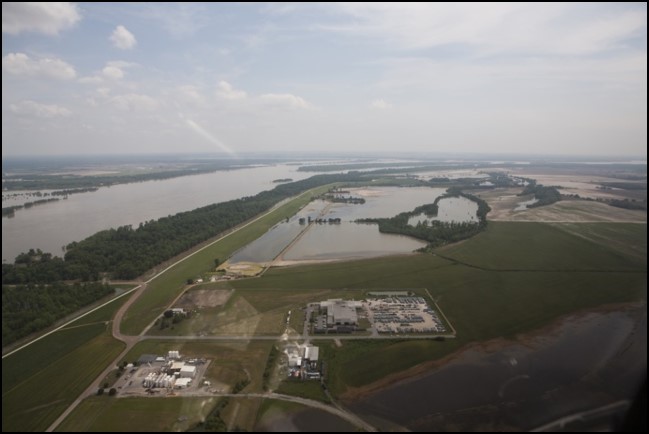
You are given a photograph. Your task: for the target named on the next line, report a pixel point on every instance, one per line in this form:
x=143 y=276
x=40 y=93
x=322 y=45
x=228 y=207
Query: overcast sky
x=139 y=78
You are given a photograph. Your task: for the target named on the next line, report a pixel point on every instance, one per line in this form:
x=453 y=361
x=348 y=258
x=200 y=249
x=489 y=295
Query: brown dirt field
x=202 y=298
x=503 y=201
x=585 y=185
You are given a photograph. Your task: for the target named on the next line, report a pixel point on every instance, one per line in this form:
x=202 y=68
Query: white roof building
x=181 y=383
x=188 y=371
x=311 y=353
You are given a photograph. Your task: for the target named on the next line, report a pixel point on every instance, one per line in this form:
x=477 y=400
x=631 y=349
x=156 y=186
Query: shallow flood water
x=269 y=245
x=522 y=206
x=349 y=240
x=344 y=240
x=451 y=210
x=572 y=368
x=383 y=202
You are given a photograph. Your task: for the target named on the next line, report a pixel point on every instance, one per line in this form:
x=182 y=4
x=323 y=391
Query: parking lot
x=403 y=314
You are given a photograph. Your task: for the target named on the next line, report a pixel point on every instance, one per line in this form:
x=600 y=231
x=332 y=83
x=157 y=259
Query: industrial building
x=303 y=361
x=341 y=312
x=188 y=371
x=183 y=383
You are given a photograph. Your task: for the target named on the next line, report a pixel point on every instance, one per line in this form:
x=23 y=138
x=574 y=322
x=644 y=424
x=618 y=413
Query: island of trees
x=543 y=195
x=436 y=233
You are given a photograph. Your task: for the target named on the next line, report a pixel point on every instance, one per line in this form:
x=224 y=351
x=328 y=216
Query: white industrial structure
x=341 y=312
x=154 y=380
x=188 y=371
x=173 y=355
x=311 y=353
x=182 y=383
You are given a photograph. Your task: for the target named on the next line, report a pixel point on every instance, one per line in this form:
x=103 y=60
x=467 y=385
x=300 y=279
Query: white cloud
x=227 y=91
x=112 y=72
x=190 y=94
x=32 y=108
x=487 y=28
x=122 y=38
x=285 y=100
x=181 y=20
x=380 y=104
x=103 y=91
x=48 y=18
x=134 y=102
x=94 y=79
x=22 y=64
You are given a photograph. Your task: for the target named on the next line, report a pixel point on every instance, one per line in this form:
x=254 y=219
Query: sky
x=102 y=78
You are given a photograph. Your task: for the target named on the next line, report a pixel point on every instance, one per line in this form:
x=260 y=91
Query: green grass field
x=541 y=246
x=41 y=380
x=306 y=389
x=253 y=312
x=36 y=401
x=165 y=288
x=105 y=413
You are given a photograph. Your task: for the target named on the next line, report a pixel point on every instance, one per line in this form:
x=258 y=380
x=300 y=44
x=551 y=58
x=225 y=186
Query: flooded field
x=451 y=210
x=346 y=239
x=269 y=245
x=583 y=362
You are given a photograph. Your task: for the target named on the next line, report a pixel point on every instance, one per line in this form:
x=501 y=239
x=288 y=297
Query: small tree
x=112 y=391
x=106 y=385
x=100 y=391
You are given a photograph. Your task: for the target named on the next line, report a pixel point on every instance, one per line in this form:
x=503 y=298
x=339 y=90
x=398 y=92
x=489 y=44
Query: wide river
x=53 y=225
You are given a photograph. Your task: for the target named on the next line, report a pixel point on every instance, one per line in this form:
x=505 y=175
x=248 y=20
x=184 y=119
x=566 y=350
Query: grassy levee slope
x=519 y=277
x=164 y=289
x=40 y=381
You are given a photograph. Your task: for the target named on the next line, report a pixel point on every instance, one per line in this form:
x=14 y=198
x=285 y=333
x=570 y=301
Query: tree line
x=29 y=308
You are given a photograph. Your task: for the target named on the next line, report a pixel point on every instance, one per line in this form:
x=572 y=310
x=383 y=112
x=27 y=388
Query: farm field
x=67 y=361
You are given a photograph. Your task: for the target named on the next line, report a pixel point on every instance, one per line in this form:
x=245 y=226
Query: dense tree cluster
x=544 y=195
x=629 y=204
x=29 y=308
